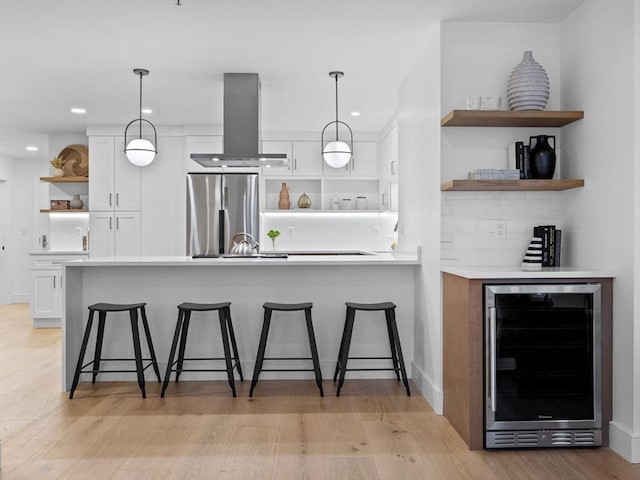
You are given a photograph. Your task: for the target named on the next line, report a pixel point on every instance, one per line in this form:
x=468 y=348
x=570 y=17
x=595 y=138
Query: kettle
x=246 y=247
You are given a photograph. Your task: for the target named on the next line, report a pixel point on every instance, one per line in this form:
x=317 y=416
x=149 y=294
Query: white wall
x=419 y=209
x=477 y=60
x=599 y=77
x=6 y=219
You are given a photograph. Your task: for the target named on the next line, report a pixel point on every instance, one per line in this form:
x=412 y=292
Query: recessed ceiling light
x=78 y=110
x=32 y=148
x=147 y=111
x=355 y=114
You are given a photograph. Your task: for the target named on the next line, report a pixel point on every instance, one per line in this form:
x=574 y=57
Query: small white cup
x=474 y=103
x=491 y=103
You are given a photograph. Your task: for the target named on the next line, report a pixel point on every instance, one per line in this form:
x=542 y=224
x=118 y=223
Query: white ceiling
x=65 y=53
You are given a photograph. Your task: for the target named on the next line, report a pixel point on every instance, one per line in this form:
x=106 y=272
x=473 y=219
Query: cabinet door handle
x=117 y=223
x=492 y=355
x=54 y=281
x=111 y=199
x=117 y=199
x=295 y=164
x=384 y=199
x=110 y=223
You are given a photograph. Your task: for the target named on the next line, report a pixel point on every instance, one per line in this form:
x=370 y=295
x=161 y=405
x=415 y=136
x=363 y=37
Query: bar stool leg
x=394 y=329
x=227 y=352
x=152 y=352
x=183 y=343
x=392 y=344
x=348 y=330
x=97 y=355
x=314 y=350
x=338 y=366
x=261 y=348
x=133 y=315
x=172 y=353
x=83 y=349
x=232 y=335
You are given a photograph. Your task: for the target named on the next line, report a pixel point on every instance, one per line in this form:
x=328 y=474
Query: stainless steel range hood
x=241 y=141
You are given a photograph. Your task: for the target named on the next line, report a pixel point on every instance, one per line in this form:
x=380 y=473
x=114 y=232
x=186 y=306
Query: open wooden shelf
x=65 y=179
x=510 y=118
x=69 y=210
x=510 y=185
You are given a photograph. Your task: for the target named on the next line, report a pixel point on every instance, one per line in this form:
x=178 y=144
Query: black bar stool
x=102 y=309
x=389 y=309
x=226 y=330
x=269 y=307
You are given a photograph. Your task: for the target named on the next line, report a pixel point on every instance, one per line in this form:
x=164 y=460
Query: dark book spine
x=525 y=161
x=543 y=232
x=520 y=158
x=558 y=248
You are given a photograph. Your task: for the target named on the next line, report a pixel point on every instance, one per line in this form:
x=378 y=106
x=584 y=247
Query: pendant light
x=140 y=151
x=337 y=153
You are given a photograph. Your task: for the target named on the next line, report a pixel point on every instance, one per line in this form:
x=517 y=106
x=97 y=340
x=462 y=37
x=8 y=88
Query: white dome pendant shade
x=337 y=153
x=140 y=151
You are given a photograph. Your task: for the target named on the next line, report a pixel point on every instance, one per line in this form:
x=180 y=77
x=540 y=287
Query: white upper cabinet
x=307 y=158
x=114 y=183
x=364 y=162
x=304 y=158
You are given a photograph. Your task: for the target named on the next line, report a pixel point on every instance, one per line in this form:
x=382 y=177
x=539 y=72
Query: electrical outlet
x=292 y=231
x=500 y=229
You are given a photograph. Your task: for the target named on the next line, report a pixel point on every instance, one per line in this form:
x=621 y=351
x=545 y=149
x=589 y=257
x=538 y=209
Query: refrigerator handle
x=225 y=195
x=221 y=232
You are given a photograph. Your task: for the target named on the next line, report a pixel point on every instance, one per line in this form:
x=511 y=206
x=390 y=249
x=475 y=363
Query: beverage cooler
x=542 y=352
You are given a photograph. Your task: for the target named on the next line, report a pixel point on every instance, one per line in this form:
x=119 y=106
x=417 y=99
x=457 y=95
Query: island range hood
x=241 y=140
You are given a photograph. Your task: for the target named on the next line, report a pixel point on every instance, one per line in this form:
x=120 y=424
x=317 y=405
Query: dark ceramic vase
x=542 y=159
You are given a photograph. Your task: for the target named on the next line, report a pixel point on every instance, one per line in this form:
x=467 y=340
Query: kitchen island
x=164 y=282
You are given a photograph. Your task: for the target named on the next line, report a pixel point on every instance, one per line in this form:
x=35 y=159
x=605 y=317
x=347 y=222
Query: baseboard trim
x=624 y=443
x=47 y=323
x=432 y=394
x=20 y=298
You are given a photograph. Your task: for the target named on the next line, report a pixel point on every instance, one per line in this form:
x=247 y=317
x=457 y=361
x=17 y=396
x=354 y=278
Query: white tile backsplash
x=468 y=221
x=330 y=231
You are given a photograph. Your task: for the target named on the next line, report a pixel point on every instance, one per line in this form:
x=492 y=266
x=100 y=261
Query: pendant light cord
x=336 y=76
x=140 y=105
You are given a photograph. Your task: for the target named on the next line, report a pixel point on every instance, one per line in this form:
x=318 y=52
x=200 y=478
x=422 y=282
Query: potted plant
x=273 y=234
x=58 y=163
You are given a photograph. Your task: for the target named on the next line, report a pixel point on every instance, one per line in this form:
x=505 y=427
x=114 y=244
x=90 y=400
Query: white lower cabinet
x=114 y=234
x=46 y=294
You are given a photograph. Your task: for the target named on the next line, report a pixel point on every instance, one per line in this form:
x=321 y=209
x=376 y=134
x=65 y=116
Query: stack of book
x=494 y=174
x=551 y=244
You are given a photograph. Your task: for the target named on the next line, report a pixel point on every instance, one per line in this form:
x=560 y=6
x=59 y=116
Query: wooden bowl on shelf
x=77 y=160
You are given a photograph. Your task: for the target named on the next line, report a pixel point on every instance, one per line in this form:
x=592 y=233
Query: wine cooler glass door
x=542 y=355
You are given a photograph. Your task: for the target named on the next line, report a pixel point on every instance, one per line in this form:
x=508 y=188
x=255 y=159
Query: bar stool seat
x=103 y=309
x=180 y=336
x=269 y=308
x=396 y=357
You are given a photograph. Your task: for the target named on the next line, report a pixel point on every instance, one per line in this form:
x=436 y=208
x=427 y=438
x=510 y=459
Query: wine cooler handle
x=492 y=354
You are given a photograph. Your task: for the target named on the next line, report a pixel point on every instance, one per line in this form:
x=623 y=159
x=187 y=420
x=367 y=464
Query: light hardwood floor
x=287 y=431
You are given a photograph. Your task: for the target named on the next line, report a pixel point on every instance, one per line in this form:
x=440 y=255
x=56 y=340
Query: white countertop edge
x=59 y=252
x=489 y=272
x=391 y=259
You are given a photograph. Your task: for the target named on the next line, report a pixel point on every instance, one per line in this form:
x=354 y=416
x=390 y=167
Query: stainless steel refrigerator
x=219 y=205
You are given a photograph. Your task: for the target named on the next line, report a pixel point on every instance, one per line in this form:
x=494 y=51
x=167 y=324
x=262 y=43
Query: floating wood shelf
x=509 y=118
x=65 y=179
x=510 y=185
x=71 y=210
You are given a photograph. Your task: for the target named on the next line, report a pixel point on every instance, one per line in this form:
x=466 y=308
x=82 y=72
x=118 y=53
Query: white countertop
x=515 y=271
x=385 y=258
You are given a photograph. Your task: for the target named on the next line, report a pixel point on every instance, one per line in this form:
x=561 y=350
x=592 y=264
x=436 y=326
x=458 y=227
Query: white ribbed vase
x=528 y=86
